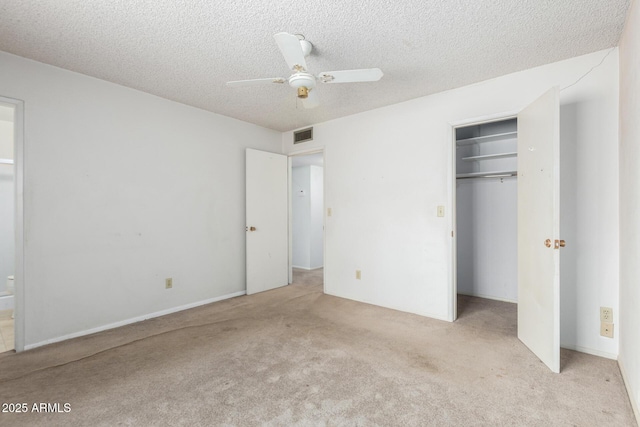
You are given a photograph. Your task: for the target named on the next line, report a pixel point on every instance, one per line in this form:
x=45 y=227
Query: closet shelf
x=495 y=174
x=486 y=138
x=489 y=157
x=6 y=161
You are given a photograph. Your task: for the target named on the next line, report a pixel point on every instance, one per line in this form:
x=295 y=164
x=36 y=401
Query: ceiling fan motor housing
x=303 y=82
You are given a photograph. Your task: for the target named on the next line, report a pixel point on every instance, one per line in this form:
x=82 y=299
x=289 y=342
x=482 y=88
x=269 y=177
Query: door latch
x=557 y=244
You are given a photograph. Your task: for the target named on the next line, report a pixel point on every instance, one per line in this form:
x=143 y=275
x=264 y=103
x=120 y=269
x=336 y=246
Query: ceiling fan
x=295 y=48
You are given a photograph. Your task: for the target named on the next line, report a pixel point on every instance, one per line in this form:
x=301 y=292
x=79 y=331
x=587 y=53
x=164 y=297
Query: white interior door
x=539 y=228
x=267 y=221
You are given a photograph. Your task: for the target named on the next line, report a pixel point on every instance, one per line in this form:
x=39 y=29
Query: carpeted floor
x=294 y=356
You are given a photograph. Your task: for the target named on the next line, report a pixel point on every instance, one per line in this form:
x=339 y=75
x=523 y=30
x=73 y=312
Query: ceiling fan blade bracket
x=326 y=78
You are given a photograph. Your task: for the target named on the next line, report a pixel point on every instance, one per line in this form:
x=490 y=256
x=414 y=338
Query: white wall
x=589 y=207
x=316 y=224
x=307 y=217
x=122 y=190
x=7 y=235
x=388 y=169
x=487 y=214
x=301 y=213
x=629 y=329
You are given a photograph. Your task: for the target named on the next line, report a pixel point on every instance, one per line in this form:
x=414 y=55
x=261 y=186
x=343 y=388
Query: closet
x=486 y=210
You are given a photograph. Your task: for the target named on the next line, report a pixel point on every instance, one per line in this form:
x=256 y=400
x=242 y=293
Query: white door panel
x=538 y=220
x=267 y=220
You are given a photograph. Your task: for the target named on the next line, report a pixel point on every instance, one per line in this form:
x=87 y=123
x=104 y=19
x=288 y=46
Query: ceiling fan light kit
x=295 y=48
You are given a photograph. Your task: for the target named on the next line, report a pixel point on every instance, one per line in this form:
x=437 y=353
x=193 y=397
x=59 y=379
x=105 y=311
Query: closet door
x=539 y=228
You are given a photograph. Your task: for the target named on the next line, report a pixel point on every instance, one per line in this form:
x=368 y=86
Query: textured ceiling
x=187 y=50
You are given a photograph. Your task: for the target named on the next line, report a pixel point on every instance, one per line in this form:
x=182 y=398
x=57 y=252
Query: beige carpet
x=294 y=356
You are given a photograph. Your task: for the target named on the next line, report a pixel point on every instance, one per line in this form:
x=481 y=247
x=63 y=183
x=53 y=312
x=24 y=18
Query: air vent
x=303 y=135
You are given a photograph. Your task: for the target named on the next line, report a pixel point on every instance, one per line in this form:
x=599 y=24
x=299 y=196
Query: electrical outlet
x=606 y=314
x=606 y=329
x=168 y=283
x=358 y=275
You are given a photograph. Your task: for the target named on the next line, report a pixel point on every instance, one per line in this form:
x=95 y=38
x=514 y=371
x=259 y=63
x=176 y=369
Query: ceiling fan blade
x=291 y=50
x=351 y=76
x=312 y=100
x=256 y=82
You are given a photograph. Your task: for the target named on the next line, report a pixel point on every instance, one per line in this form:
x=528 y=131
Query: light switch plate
x=440 y=211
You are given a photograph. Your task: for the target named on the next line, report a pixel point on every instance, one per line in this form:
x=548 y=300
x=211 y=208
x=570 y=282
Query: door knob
x=547 y=243
x=559 y=244
x=250 y=228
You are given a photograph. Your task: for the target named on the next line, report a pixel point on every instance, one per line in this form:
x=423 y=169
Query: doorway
x=306 y=223
x=486 y=196
x=11 y=223
x=8 y=225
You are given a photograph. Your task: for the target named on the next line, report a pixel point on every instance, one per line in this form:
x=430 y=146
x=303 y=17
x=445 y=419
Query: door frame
x=453 y=253
x=290 y=156
x=19 y=276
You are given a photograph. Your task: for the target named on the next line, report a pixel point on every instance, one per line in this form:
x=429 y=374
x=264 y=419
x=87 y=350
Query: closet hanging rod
x=507 y=174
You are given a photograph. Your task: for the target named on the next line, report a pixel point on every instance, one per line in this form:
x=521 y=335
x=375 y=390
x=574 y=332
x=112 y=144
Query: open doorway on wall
x=7 y=227
x=307 y=219
x=486 y=220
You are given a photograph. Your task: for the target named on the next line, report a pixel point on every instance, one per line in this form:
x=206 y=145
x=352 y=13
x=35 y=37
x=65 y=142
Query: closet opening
x=485 y=247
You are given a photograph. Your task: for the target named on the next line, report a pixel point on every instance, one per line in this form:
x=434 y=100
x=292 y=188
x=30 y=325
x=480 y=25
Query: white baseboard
x=634 y=404
x=489 y=297
x=133 y=320
x=6 y=302
x=590 y=351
